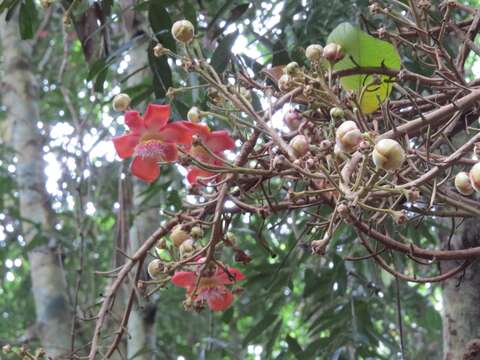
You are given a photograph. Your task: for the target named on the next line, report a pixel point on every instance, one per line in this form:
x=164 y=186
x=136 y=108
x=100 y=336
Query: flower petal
x=125 y=144
x=156 y=116
x=176 y=132
x=184 y=279
x=134 y=121
x=225 y=279
x=169 y=152
x=221 y=302
x=195 y=172
x=219 y=141
x=145 y=169
x=199 y=129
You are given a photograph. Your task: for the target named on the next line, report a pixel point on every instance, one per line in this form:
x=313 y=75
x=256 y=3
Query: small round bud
x=196 y=232
x=291 y=68
x=325 y=145
x=314 y=52
x=319 y=247
x=6 y=349
x=285 y=83
x=292 y=119
x=194 y=114
x=159 y=50
x=161 y=244
x=413 y=195
x=279 y=162
x=388 y=155
x=187 y=247
x=178 y=235
x=121 y=102
x=462 y=184
x=333 y=52
x=182 y=31
x=300 y=145
x=475 y=176
x=337 y=113
x=155 y=268
x=348 y=137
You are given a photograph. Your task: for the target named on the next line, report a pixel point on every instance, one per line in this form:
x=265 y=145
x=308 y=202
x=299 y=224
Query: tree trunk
x=461 y=299
x=141 y=341
x=48 y=281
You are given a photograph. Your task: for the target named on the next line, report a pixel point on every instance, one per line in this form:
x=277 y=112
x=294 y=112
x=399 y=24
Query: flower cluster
x=208 y=288
x=152 y=140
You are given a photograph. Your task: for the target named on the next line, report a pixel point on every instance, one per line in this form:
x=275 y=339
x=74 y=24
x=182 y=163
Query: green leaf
x=27 y=19
x=363 y=50
x=260 y=327
x=161 y=24
x=221 y=55
x=190 y=14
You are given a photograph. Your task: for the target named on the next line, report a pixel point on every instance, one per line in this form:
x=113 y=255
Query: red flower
x=211 y=289
x=151 y=140
x=216 y=141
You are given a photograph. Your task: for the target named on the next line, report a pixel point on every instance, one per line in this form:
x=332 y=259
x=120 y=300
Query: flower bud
x=292 y=119
x=196 y=232
x=6 y=349
x=186 y=248
x=178 y=235
x=291 y=68
x=194 y=114
x=348 y=137
x=388 y=155
x=475 y=176
x=462 y=184
x=182 y=31
x=121 y=102
x=285 y=83
x=333 y=52
x=300 y=145
x=320 y=246
x=155 y=268
x=161 y=244
x=337 y=113
x=314 y=52
x=413 y=195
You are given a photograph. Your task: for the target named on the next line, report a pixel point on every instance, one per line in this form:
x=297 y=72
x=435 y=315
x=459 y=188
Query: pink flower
x=211 y=289
x=151 y=140
x=216 y=141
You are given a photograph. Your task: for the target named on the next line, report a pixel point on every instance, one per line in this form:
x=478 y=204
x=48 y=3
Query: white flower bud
x=155 y=268
x=314 y=52
x=348 y=137
x=388 y=155
x=178 y=235
x=291 y=68
x=337 y=113
x=300 y=145
x=194 y=114
x=333 y=52
x=462 y=184
x=182 y=31
x=285 y=83
x=475 y=176
x=121 y=102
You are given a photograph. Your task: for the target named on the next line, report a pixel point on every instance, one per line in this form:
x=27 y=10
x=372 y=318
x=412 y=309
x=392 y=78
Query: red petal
x=145 y=169
x=125 y=144
x=156 y=116
x=176 y=132
x=170 y=152
x=195 y=172
x=219 y=141
x=134 y=121
x=220 y=303
x=224 y=278
x=198 y=129
x=184 y=279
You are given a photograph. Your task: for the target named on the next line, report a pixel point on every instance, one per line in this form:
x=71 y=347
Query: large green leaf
x=363 y=50
x=222 y=53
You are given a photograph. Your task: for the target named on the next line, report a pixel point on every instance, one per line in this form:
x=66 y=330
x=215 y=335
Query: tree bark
x=141 y=342
x=19 y=93
x=461 y=299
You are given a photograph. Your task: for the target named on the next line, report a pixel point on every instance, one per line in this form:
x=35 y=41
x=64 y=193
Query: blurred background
x=78 y=198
